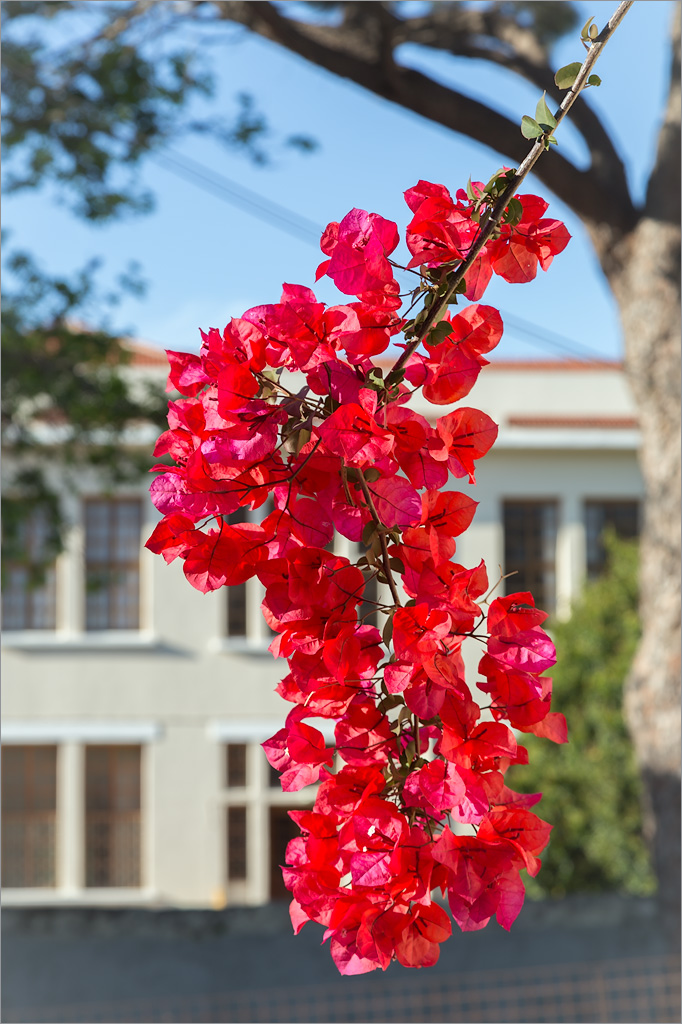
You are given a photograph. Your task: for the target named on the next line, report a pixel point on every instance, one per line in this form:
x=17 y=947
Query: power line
x=278 y=216
x=224 y=188
x=541 y=336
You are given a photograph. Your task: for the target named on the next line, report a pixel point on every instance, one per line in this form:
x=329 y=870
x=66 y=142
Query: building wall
x=181 y=689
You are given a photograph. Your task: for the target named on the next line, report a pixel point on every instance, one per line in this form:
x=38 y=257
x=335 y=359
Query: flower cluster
x=289 y=403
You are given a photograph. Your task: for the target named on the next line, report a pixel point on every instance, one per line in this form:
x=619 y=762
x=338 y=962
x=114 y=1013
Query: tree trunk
x=644 y=272
x=648 y=294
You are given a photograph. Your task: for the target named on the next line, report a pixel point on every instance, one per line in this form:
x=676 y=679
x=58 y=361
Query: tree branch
x=347 y=52
x=663 y=191
x=489 y=35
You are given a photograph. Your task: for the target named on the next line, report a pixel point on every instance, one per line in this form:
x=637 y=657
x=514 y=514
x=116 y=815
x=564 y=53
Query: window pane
x=530 y=532
x=273 y=777
x=112 y=569
x=282 y=831
x=112 y=816
x=236 y=595
x=621 y=516
x=235 y=756
x=236 y=843
x=29 y=597
x=29 y=812
x=236 y=610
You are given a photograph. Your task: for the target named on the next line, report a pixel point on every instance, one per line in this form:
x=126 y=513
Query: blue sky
x=206 y=260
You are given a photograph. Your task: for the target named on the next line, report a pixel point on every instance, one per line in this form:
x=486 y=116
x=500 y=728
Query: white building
x=133 y=711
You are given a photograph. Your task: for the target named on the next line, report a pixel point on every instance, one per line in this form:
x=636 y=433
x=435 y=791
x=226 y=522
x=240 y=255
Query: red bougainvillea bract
x=289 y=403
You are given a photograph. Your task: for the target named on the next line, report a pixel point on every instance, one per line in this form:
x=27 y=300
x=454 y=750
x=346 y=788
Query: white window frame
x=71 y=737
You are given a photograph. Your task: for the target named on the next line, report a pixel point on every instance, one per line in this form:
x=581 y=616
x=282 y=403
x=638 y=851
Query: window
x=236 y=844
x=282 y=831
x=112 y=816
x=242 y=622
x=621 y=516
x=530 y=534
x=112 y=563
x=235 y=765
x=236 y=595
x=29 y=582
x=29 y=812
x=273 y=777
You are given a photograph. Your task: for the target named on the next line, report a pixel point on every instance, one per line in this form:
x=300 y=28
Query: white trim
x=573 y=439
x=81 y=731
x=255 y=730
x=109 y=639
x=241 y=645
x=50 y=896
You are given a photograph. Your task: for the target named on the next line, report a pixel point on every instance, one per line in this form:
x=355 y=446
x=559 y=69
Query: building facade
x=134 y=707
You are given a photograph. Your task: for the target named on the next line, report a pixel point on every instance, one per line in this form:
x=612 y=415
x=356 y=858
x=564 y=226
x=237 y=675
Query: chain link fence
x=642 y=989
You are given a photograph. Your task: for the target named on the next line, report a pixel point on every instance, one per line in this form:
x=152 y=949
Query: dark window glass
x=29 y=814
x=236 y=595
x=235 y=766
x=29 y=585
x=273 y=777
x=282 y=830
x=112 y=563
x=530 y=533
x=236 y=844
x=620 y=516
x=112 y=816
x=236 y=610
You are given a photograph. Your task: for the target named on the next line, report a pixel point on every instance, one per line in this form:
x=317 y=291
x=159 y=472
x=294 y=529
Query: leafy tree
x=591 y=786
x=65 y=394
x=80 y=119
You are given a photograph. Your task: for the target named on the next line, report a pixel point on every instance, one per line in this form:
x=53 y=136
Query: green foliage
x=549 y=20
x=82 y=117
x=591 y=789
x=566 y=76
x=77 y=115
x=65 y=394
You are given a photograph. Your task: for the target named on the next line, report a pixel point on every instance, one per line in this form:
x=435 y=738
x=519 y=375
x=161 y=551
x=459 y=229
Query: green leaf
x=593 y=32
x=543 y=115
x=372 y=474
x=594 y=80
x=566 y=76
x=387 y=632
x=392 y=701
x=368 y=532
x=439 y=332
x=530 y=129
x=470 y=192
x=514 y=212
x=552 y=139
x=585 y=33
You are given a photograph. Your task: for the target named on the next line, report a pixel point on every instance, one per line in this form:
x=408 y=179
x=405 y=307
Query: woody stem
x=382 y=538
x=497 y=211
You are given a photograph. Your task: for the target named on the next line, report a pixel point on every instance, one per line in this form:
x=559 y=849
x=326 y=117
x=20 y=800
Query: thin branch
x=495 y=216
x=346 y=52
x=382 y=539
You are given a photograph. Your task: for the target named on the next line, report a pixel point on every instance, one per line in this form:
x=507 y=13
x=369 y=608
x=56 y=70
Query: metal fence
x=645 y=989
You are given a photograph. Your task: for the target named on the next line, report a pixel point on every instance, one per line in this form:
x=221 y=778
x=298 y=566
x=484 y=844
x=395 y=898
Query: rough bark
x=647 y=289
x=639 y=251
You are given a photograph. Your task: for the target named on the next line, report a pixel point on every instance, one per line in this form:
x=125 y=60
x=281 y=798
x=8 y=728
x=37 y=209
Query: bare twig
x=382 y=538
x=497 y=211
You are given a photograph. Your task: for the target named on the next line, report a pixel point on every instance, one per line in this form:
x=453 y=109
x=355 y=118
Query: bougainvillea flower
x=288 y=405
